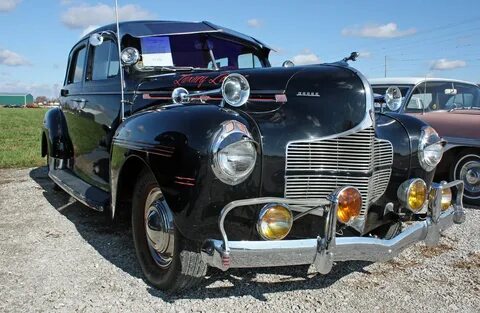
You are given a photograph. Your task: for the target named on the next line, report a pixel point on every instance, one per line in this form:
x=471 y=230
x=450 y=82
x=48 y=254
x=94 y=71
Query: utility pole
x=385 y=66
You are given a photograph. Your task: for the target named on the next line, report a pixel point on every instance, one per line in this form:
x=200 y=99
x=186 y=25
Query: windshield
x=443 y=96
x=202 y=51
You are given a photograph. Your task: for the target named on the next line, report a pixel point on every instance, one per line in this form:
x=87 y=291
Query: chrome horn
x=235 y=91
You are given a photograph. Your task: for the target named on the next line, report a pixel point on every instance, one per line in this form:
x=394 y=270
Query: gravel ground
x=58 y=255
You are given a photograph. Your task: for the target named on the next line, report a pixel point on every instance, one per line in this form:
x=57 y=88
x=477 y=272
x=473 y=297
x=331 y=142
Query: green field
x=20 y=137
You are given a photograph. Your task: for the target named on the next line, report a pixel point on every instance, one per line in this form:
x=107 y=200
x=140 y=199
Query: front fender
x=175 y=143
x=403 y=131
x=55 y=130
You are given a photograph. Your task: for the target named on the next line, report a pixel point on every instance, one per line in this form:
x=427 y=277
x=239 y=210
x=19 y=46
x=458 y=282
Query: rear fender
x=55 y=133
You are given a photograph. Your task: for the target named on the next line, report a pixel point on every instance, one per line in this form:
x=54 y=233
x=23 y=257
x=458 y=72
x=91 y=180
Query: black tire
x=186 y=267
x=468 y=158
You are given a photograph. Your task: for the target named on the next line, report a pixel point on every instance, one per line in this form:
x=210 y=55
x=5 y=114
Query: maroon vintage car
x=452 y=107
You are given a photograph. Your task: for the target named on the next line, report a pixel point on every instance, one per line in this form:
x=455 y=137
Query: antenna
x=122 y=79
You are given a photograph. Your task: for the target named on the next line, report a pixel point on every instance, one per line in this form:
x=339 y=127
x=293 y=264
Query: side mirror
x=288 y=63
x=393 y=98
x=96 y=39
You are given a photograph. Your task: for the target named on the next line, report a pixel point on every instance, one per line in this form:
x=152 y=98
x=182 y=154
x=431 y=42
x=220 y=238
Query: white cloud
x=8 y=5
x=85 y=16
x=389 y=30
x=306 y=57
x=89 y=29
x=36 y=89
x=364 y=54
x=444 y=64
x=255 y=23
x=11 y=58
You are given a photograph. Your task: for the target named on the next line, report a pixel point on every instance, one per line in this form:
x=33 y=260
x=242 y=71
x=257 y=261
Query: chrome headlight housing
x=130 y=56
x=235 y=90
x=430 y=148
x=234 y=153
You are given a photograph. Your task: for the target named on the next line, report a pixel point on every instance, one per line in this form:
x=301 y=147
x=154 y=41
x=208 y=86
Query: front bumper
x=322 y=252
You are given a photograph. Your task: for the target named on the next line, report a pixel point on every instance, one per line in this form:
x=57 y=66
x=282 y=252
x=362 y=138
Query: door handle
x=80 y=103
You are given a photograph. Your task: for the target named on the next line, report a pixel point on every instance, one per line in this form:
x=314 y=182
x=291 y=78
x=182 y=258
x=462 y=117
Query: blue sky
x=418 y=38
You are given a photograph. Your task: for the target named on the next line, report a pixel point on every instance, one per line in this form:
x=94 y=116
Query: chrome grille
x=316 y=168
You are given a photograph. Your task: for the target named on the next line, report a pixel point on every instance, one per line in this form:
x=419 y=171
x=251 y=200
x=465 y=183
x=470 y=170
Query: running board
x=87 y=194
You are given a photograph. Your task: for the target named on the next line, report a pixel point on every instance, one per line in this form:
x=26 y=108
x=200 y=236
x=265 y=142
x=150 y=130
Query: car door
x=72 y=100
x=100 y=112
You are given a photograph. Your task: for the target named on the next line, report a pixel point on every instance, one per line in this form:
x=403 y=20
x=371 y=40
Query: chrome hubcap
x=470 y=174
x=472 y=177
x=159 y=228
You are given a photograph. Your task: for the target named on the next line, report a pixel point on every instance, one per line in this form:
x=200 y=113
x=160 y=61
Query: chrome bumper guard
x=322 y=252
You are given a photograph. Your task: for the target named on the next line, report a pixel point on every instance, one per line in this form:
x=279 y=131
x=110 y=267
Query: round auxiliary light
x=274 y=221
x=446 y=198
x=349 y=204
x=130 y=56
x=393 y=98
x=413 y=194
x=235 y=90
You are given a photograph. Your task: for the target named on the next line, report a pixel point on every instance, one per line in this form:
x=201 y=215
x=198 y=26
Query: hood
x=458 y=123
x=315 y=102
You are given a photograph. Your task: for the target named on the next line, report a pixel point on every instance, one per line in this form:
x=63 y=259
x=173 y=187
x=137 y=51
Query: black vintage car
x=222 y=160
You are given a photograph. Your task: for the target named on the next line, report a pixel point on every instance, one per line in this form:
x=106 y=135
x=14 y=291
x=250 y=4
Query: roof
x=412 y=80
x=15 y=94
x=160 y=28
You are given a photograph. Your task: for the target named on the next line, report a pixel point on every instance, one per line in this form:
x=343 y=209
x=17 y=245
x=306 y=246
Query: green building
x=15 y=99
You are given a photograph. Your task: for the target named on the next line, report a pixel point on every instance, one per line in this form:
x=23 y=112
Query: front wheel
x=467 y=169
x=168 y=260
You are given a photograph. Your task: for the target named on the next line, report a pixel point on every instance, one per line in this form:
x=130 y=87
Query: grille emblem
x=308 y=94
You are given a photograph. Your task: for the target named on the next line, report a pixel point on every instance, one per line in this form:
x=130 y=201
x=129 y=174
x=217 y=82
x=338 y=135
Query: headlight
x=235 y=90
x=234 y=153
x=130 y=56
x=349 y=204
x=430 y=148
x=274 y=221
x=413 y=194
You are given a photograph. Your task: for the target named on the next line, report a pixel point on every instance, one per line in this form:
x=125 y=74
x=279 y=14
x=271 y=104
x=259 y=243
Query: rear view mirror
x=393 y=98
x=450 y=91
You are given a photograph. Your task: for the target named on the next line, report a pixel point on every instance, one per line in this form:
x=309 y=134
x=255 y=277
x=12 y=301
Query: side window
x=223 y=62
x=466 y=96
x=248 y=60
x=104 y=63
x=76 y=66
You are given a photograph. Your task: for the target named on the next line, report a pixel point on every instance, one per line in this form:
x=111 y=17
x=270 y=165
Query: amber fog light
x=446 y=198
x=274 y=221
x=349 y=204
x=413 y=194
